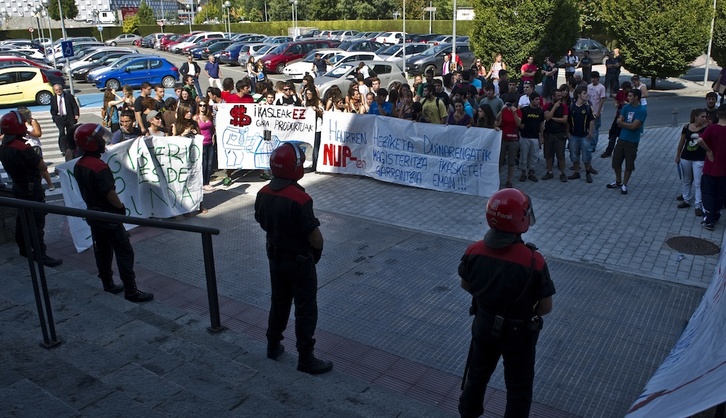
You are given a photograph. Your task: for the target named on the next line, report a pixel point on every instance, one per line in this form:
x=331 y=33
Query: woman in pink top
x=206 y=129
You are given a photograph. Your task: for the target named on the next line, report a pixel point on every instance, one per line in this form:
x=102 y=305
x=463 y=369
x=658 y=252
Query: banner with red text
x=241 y=130
x=437 y=157
x=159 y=177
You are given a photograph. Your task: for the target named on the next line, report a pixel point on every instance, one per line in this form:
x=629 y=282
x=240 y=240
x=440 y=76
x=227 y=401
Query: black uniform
x=497 y=279
x=285 y=212
x=95 y=181
x=21 y=164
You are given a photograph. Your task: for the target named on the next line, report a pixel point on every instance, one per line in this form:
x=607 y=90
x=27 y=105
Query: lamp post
x=65 y=36
x=710 y=42
x=189 y=10
x=37 y=9
x=45 y=4
x=431 y=9
x=227 y=5
x=293 y=3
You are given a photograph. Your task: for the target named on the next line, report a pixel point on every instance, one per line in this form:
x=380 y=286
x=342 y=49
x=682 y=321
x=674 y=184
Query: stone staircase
x=122 y=359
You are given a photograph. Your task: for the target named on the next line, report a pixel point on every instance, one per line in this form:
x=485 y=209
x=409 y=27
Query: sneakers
x=683 y=205
x=275 y=351
x=606 y=154
x=563 y=178
x=708 y=225
x=51 y=262
x=138 y=296
x=533 y=178
x=614 y=185
x=314 y=365
x=623 y=189
x=548 y=176
x=574 y=176
x=588 y=177
x=113 y=288
x=699 y=212
x=679 y=198
x=523 y=177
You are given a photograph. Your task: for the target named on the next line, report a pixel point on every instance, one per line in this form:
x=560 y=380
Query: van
x=276 y=59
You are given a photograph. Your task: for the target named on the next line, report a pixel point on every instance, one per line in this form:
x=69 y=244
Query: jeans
x=713 y=190
x=692 y=172
x=580 y=146
x=207 y=163
x=198 y=88
x=595 y=133
x=612 y=82
x=110 y=239
x=528 y=148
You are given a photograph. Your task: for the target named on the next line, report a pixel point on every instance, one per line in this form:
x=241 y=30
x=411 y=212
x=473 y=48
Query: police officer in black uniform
x=294 y=246
x=511 y=289
x=98 y=189
x=24 y=167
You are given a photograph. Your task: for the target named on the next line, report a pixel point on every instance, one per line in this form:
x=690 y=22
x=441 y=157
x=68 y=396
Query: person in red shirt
x=508 y=120
x=244 y=87
x=227 y=91
x=529 y=69
x=713 y=181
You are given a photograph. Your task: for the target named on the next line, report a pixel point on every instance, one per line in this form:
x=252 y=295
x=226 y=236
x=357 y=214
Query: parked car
x=345 y=35
x=203 y=52
x=343 y=75
x=312 y=34
x=276 y=40
x=394 y=53
x=277 y=58
x=180 y=39
x=433 y=58
x=96 y=55
x=597 y=50
x=353 y=57
x=78 y=46
x=446 y=39
x=194 y=39
x=297 y=69
x=390 y=37
x=123 y=39
x=55 y=76
x=150 y=40
x=252 y=38
x=155 y=70
x=230 y=54
x=253 y=50
x=24 y=84
x=360 y=45
x=422 y=38
x=79 y=73
x=164 y=41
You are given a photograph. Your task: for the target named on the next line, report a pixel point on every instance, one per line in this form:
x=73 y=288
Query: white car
x=30 y=53
x=390 y=37
x=195 y=39
x=296 y=70
x=344 y=74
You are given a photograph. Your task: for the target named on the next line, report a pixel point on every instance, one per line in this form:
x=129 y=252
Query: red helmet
x=13 y=123
x=510 y=210
x=287 y=160
x=91 y=137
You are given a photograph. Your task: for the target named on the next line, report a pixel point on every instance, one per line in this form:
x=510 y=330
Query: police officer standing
x=24 y=166
x=294 y=246
x=511 y=289
x=98 y=189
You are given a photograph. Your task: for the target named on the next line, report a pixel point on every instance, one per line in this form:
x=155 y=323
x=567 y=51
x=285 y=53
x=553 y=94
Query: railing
x=37 y=272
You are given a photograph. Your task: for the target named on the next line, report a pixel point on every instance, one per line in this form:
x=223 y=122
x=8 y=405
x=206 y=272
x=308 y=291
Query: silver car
x=255 y=50
x=344 y=74
x=123 y=39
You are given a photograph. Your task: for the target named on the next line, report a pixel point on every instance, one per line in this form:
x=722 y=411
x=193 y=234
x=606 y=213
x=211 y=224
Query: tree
x=659 y=38
x=145 y=15
x=718 y=48
x=519 y=29
x=70 y=10
x=323 y=10
x=131 y=24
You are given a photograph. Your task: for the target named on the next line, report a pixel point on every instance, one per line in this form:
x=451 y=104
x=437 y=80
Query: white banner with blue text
x=437 y=157
x=241 y=142
x=159 y=177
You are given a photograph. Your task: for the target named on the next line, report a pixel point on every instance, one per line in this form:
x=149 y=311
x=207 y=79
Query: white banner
x=240 y=130
x=693 y=376
x=159 y=177
x=437 y=157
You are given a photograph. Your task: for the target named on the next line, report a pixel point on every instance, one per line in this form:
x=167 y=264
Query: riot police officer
x=98 y=189
x=294 y=246
x=511 y=288
x=24 y=167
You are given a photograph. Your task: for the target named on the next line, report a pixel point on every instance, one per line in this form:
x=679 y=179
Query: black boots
x=275 y=350
x=313 y=365
x=132 y=294
x=111 y=287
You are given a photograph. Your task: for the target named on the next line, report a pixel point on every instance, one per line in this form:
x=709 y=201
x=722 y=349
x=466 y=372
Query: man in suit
x=64 y=111
x=191 y=68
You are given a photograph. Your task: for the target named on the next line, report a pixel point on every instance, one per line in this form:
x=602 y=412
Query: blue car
x=202 y=52
x=155 y=70
x=230 y=55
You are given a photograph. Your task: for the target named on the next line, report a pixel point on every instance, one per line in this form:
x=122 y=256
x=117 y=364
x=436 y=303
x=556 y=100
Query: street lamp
x=293 y=3
x=227 y=5
x=45 y=4
x=36 y=12
x=189 y=14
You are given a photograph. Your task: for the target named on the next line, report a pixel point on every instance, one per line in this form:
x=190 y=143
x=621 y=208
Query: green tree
x=659 y=38
x=145 y=14
x=718 y=47
x=70 y=10
x=323 y=10
x=131 y=24
x=255 y=15
x=517 y=30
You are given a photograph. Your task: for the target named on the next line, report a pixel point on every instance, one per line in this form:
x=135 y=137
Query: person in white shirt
x=596 y=96
x=32 y=138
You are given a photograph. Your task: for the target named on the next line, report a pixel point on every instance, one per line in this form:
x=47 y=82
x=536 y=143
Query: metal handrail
x=40 y=288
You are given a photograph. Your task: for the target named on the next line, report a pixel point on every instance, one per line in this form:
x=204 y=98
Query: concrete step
x=119 y=358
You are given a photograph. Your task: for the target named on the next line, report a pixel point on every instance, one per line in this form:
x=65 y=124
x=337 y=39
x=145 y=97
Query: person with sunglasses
x=156 y=123
x=289 y=98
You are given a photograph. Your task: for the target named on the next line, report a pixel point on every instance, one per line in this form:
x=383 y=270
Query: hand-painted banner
x=160 y=177
x=241 y=132
x=693 y=376
x=438 y=157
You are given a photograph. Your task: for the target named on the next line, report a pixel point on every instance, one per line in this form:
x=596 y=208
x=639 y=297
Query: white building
x=88 y=10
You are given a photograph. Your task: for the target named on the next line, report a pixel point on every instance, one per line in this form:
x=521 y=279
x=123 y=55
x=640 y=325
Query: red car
x=178 y=40
x=166 y=40
x=56 y=75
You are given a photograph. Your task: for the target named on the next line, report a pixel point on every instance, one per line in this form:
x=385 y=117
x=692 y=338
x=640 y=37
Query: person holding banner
x=98 y=189
x=294 y=245
x=511 y=290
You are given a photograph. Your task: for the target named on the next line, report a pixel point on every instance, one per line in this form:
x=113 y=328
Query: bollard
x=674 y=122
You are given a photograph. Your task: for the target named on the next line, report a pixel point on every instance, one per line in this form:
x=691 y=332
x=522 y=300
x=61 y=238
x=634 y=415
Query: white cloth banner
x=241 y=130
x=693 y=376
x=160 y=177
x=437 y=157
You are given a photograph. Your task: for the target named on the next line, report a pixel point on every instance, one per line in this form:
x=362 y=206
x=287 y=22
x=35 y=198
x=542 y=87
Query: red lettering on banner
x=238 y=116
x=337 y=155
x=298 y=114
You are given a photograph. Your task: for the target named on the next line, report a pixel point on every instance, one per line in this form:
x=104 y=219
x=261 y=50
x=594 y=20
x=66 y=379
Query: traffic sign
x=100 y=28
x=30 y=30
x=67 y=48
